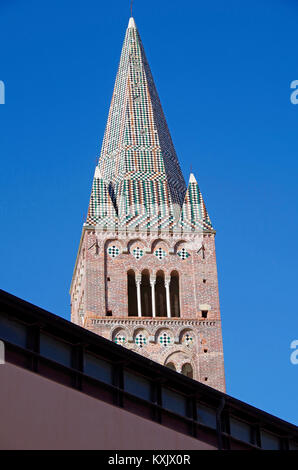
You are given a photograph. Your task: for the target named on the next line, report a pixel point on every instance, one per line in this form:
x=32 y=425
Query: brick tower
x=145 y=275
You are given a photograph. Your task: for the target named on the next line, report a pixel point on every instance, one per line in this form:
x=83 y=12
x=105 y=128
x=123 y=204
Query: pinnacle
x=131 y=23
x=192 y=178
x=97 y=173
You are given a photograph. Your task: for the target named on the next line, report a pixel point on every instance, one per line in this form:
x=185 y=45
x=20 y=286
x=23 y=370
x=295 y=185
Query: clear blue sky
x=223 y=71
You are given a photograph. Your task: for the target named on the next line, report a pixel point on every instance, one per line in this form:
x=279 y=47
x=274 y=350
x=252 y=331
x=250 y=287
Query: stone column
x=167 y=286
x=152 y=282
x=138 y=282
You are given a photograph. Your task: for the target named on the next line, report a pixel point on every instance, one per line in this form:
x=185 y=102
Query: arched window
x=187 y=370
x=170 y=365
x=174 y=294
x=160 y=295
x=146 y=295
x=132 y=294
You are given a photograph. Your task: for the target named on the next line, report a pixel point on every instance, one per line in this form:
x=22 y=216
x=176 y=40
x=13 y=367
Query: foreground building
x=145 y=275
x=64 y=387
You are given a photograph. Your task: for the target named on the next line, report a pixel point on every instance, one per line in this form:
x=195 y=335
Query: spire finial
x=131 y=23
x=131 y=2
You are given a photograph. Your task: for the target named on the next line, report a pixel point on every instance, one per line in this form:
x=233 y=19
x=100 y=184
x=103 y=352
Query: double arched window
x=186 y=368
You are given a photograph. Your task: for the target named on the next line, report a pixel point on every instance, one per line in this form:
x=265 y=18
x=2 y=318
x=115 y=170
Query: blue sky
x=223 y=71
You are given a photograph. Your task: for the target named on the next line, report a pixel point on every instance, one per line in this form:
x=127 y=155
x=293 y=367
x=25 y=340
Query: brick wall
x=100 y=285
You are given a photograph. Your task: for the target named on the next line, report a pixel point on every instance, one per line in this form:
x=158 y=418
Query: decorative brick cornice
x=170 y=322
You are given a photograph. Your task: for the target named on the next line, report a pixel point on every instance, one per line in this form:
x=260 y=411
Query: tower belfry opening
x=161 y=307
x=132 y=294
x=146 y=263
x=174 y=294
x=146 y=295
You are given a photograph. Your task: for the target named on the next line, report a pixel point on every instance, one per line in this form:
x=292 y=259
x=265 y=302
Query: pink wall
x=37 y=413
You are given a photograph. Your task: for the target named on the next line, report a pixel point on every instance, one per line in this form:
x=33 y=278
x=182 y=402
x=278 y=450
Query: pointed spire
x=138 y=162
x=138 y=182
x=194 y=215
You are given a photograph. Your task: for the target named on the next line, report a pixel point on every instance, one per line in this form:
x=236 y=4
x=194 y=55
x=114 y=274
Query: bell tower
x=145 y=275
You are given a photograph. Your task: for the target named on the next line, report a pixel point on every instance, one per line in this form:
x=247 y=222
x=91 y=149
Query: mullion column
x=167 y=286
x=138 y=283
x=152 y=282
